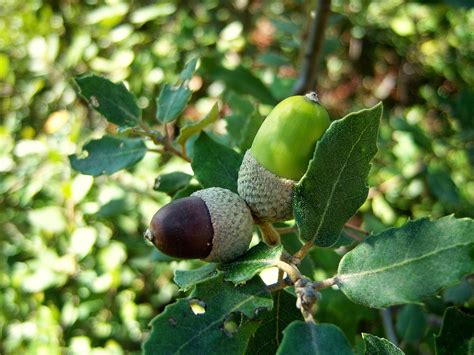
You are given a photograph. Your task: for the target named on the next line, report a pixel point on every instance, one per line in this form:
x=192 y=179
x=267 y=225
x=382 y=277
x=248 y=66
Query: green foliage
x=76 y=274
x=113 y=101
x=334 y=186
x=379 y=346
x=282 y=314
x=308 y=338
x=203 y=317
x=371 y=273
x=214 y=164
x=251 y=263
x=108 y=155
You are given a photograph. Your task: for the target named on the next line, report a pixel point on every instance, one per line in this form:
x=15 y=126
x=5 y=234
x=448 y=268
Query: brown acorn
x=212 y=224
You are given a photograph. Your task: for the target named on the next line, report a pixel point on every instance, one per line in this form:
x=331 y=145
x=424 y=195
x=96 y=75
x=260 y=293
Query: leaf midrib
x=344 y=277
x=323 y=217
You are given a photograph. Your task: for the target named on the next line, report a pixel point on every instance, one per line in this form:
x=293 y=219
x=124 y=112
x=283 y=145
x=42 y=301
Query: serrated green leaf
x=407 y=264
x=457 y=333
x=179 y=330
x=172 y=182
x=214 y=164
x=335 y=184
x=189 y=69
x=251 y=263
x=185 y=279
x=188 y=130
x=316 y=339
x=113 y=101
x=171 y=102
x=379 y=346
x=460 y=293
x=269 y=335
x=411 y=322
x=239 y=79
x=108 y=155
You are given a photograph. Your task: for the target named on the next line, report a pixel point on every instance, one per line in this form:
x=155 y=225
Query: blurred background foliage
x=76 y=273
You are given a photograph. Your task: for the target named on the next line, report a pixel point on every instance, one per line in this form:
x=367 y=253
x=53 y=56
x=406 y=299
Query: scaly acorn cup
x=213 y=224
x=279 y=156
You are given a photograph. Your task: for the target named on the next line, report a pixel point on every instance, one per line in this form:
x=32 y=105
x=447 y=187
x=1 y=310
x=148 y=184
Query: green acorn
x=212 y=224
x=279 y=156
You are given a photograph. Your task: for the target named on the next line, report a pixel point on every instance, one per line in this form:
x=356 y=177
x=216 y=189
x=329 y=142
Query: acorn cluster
x=216 y=224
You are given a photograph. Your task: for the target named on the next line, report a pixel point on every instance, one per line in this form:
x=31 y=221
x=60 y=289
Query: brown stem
x=308 y=76
x=269 y=234
x=357 y=229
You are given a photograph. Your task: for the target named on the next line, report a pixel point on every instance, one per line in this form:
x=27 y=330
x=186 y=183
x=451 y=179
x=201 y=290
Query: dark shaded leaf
x=457 y=333
x=172 y=182
x=214 y=164
x=269 y=335
x=316 y=339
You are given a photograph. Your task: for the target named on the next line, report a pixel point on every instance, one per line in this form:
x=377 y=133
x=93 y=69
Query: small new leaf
x=335 y=184
x=251 y=263
x=407 y=264
x=188 y=70
x=113 y=101
x=187 y=131
x=379 y=346
x=108 y=155
x=178 y=330
x=214 y=164
x=302 y=338
x=171 y=102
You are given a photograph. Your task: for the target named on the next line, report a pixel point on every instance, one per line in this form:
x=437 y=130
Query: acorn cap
x=231 y=221
x=269 y=196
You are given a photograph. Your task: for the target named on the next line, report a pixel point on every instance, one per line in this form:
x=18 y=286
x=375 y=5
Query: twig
x=279 y=285
x=357 y=229
x=326 y=283
x=307 y=79
x=168 y=146
x=300 y=254
x=387 y=321
x=292 y=272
